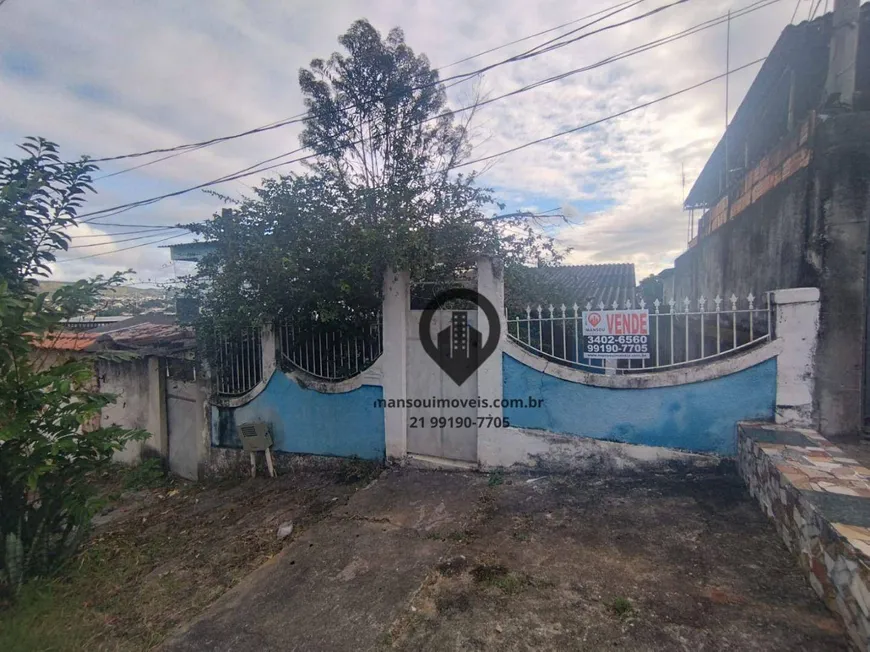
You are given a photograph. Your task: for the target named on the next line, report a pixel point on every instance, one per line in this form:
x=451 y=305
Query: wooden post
x=269 y=462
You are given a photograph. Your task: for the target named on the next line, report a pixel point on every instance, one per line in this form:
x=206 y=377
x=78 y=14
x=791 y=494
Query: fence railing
x=680 y=333
x=239 y=362
x=328 y=350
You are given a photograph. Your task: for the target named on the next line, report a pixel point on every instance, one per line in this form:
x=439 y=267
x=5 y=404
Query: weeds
x=496 y=478
x=498 y=576
x=622 y=607
x=149 y=474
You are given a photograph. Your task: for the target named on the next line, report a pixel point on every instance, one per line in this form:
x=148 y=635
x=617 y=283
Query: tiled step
x=819 y=499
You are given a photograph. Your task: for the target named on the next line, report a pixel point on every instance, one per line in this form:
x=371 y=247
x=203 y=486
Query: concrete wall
x=305 y=420
x=811 y=230
x=699 y=417
x=137 y=384
x=840 y=213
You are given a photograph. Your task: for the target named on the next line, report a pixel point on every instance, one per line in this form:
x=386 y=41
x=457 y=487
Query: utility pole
x=727 y=89
x=842 y=61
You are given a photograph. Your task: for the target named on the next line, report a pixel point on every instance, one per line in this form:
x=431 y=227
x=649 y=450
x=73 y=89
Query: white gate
x=441 y=427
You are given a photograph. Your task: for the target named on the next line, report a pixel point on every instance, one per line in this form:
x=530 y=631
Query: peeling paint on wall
x=699 y=417
x=307 y=421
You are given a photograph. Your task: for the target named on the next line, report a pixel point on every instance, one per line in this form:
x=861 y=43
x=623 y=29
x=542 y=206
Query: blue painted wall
x=306 y=421
x=698 y=417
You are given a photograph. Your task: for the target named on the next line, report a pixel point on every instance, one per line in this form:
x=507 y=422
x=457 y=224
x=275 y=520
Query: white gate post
x=268 y=350
x=797 y=326
x=396 y=306
x=490 y=381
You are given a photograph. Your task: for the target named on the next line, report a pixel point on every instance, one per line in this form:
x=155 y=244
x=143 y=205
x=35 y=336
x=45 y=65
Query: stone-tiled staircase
x=819 y=499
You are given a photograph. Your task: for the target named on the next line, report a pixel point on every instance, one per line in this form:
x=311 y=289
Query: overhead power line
x=131 y=226
x=610 y=117
x=535 y=35
x=518 y=147
x=144 y=229
x=301 y=117
x=115 y=251
x=262 y=166
x=111 y=242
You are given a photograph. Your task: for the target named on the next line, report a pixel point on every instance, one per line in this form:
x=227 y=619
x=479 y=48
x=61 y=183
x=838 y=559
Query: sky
x=109 y=78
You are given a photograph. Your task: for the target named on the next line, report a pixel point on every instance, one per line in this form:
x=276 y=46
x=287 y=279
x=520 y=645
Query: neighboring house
x=155 y=381
x=791 y=204
x=189 y=252
x=595 y=284
x=90 y=322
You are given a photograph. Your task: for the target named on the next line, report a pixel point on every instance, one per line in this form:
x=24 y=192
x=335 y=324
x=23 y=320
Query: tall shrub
x=48 y=450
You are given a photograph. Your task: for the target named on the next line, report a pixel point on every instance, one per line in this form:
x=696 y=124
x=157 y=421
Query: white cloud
x=119 y=77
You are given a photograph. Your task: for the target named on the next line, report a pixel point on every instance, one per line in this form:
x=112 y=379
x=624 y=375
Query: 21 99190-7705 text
x=459 y=422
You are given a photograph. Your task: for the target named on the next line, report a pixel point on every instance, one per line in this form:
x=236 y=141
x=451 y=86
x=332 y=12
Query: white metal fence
x=239 y=362
x=332 y=351
x=680 y=333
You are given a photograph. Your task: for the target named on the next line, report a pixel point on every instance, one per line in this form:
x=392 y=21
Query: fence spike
x=642 y=303
x=702 y=302
x=718 y=302
x=588 y=305
x=733 y=301
x=576 y=307
x=601 y=305
x=563 y=310
x=628 y=304
x=615 y=305
x=550 y=307
x=528 y=311
x=751 y=300
x=672 y=303
x=686 y=304
x=657 y=303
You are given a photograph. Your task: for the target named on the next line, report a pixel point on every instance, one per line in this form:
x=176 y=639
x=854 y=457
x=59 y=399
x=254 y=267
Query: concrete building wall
x=840 y=212
x=130 y=381
x=811 y=230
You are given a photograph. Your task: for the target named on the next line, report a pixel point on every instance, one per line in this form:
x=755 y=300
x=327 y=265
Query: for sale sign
x=616 y=334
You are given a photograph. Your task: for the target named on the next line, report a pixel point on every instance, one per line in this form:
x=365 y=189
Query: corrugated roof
x=574 y=283
x=150 y=334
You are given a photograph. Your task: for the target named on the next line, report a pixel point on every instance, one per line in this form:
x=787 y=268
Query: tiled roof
x=569 y=283
x=69 y=341
x=150 y=334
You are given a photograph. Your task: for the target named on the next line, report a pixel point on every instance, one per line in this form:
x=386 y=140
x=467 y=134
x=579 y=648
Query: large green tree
x=379 y=191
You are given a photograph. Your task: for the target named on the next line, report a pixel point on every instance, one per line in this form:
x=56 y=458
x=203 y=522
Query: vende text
x=627 y=323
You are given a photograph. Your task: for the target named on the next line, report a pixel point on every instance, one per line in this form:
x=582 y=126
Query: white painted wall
x=797 y=328
x=397 y=303
x=490 y=376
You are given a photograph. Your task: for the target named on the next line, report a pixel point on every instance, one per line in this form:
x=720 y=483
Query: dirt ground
x=160 y=555
x=673 y=560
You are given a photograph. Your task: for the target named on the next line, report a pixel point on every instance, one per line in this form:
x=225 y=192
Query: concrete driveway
x=677 y=559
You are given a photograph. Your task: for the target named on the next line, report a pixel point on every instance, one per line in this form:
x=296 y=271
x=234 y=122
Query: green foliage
x=49 y=446
x=378 y=193
x=148 y=474
x=622 y=607
x=652 y=288
x=496 y=478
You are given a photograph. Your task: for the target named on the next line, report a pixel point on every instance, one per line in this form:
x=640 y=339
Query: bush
x=49 y=448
